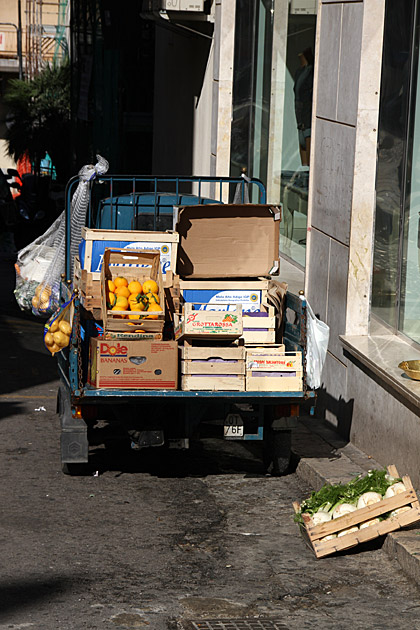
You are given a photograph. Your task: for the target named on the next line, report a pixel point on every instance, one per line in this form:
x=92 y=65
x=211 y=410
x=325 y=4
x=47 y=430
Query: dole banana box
x=133 y=364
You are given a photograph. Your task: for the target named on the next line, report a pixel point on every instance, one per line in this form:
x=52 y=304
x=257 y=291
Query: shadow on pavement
x=25 y=362
x=18 y=595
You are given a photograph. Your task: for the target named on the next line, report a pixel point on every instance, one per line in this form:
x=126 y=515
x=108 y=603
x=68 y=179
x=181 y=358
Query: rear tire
x=277 y=451
x=75 y=470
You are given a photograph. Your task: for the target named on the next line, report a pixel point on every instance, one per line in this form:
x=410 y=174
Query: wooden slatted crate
x=215 y=368
x=259 y=327
x=133 y=265
x=272 y=371
x=315 y=535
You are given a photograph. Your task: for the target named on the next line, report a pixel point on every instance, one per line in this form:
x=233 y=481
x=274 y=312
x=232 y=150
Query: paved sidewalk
x=324 y=457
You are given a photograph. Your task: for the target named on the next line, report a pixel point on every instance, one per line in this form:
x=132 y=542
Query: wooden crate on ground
x=273 y=371
x=215 y=368
x=315 y=535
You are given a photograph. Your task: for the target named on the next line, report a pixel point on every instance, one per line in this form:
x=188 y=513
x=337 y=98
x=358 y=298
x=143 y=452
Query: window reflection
x=392 y=134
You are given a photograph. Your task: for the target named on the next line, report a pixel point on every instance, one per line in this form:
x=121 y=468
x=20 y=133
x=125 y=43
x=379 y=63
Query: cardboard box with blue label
x=94 y=242
x=215 y=295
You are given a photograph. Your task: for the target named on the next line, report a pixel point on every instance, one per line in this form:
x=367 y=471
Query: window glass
x=409 y=314
x=390 y=177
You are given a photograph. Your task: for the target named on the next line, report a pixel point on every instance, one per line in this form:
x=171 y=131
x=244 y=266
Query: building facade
x=350 y=206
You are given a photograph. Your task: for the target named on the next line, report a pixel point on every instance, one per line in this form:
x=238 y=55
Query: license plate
x=234 y=426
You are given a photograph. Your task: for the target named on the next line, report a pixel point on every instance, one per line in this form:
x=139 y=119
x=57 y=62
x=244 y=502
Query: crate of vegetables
x=132 y=291
x=341 y=516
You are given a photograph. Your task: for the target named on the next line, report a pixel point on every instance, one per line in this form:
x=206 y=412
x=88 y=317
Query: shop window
x=396 y=261
x=272 y=106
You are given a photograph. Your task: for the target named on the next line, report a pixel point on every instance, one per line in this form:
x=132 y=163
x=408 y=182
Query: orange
x=121 y=304
x=135 y=287
x=136 y=298
x=111 y=286
x=138 y=306
x=153 y=307
x=120 y=282
x=122 y=291
x=153 y=298
x=150 y=286
x=133 y=316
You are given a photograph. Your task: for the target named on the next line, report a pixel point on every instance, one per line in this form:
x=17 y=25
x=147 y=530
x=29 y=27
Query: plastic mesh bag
x=58 y=329
x=40 y=264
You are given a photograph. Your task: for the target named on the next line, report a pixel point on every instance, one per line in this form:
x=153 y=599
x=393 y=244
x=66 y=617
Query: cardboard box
x=215 y=294
x=133 y=364
x=94 y=242
x=274 y=372
x=140 y=266
x=227 y=240
x=209 y=324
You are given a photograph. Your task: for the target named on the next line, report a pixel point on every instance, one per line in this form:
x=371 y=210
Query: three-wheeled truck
x=160 y=417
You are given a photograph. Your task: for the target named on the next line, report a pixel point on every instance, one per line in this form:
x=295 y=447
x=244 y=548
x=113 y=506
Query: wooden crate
x=205 y=324
x=314 y=534
x=260 y=327
x=133 y=265
x=213 y=368
x=271 y=371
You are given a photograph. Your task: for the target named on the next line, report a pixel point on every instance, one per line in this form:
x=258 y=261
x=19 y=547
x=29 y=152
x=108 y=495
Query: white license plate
x=234 y=426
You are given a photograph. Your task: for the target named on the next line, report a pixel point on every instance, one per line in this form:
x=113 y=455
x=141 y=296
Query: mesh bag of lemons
x=57 y=330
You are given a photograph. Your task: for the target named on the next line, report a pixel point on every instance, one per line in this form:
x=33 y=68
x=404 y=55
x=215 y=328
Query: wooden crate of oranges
x=132 y=291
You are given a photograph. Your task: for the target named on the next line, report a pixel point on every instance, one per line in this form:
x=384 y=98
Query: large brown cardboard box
x=133 y=364
x=227 y=240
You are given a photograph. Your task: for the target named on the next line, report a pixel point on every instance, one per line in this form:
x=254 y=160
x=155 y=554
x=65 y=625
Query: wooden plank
x=275 y=362
x=273 y=383
x=265 y=337
x=213 y=352
x=212 y=383
x=260 y=284
x=212 y=368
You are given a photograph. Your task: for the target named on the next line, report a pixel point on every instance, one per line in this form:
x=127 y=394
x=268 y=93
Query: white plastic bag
x=40 y=264
x=317 y=336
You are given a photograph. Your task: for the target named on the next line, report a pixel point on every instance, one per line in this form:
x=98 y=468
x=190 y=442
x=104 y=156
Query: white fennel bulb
x=342 y=509
x=348 y=531
x=400 y=510
x=368 y=498
x=329 y=537
x=373 y=521
x=396 y=488
x=321 y=517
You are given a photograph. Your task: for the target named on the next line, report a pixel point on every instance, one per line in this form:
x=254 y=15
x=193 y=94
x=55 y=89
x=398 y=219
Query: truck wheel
x=277 y=451
x=75 y=470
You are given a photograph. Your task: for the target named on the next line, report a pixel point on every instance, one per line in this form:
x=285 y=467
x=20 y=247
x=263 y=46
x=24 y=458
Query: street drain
x=239 y=624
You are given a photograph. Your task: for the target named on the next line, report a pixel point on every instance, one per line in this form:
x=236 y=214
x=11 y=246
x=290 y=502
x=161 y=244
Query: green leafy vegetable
x=332 y=495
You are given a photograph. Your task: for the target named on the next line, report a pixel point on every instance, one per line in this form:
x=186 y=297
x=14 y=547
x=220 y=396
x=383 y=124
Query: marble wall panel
x=382 y=426
x=337 y=296
x=333 y=403
x=317 y=271
x=333 y=166
x=348 y=78
x=328 y=56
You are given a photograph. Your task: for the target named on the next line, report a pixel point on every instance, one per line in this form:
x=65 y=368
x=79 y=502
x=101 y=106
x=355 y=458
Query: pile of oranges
x=134 y=297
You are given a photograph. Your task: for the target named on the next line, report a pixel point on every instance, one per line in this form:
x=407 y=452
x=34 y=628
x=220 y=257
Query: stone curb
x=324 y=457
